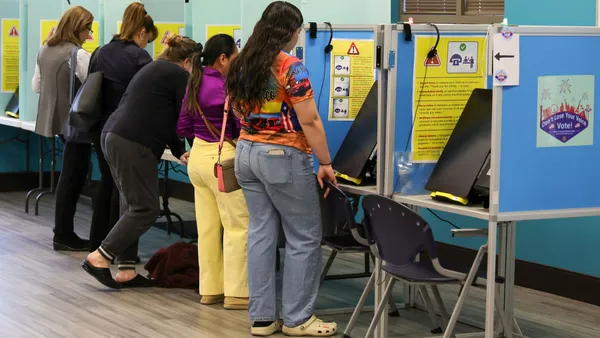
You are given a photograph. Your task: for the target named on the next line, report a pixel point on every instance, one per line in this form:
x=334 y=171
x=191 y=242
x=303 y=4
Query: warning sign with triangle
x=13 y=32
x=165 y=36
x=353 y=49
x=433 y=62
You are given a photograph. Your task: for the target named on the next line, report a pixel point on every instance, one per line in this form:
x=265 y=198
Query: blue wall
x=551 y=12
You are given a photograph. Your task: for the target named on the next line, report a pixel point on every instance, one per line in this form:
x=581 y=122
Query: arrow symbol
x=500 y=56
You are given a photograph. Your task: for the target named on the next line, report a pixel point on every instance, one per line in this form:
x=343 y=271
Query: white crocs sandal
x=267 y=330
x=313 y=327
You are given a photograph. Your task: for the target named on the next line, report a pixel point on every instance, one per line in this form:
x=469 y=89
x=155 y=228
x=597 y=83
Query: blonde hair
x=134 y=19
x=75 y=20
x=179 y=48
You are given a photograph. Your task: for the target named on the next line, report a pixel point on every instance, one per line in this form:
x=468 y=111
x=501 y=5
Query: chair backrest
x=399 y=233
x=336 y=212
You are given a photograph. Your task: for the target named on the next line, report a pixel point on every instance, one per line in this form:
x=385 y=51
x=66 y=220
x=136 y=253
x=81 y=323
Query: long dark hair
x=215 y=47
x=250 y=72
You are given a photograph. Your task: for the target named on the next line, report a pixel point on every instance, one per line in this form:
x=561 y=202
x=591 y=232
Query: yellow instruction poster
x=10 y=55
x=442 y=85
x=165 y=29
x=232 y=30
x=352 y=75
x=48 y=28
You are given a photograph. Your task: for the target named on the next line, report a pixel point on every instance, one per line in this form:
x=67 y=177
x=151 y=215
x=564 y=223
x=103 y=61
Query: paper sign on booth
x=10 y=55
x=506 y=58
x=442 y=86
x=351 y=78
x=165 y=29
x=232 y=30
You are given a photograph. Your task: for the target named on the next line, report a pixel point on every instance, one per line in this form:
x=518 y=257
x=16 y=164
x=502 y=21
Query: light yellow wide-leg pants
x=222 y=220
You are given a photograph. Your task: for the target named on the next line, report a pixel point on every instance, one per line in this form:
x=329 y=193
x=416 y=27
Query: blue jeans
x=280 y=188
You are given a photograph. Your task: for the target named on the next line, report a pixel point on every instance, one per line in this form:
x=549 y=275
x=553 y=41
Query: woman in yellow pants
x=222 y=218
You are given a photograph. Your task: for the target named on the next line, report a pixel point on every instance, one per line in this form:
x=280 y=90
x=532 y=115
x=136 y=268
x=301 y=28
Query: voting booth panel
x=427 y=96
x=342 y=78
x=549 y=143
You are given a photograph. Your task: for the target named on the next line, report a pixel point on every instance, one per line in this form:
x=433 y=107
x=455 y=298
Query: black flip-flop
x=102 y=275
x=139 y=281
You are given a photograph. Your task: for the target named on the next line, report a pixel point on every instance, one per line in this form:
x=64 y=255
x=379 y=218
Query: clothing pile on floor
x=175 y=266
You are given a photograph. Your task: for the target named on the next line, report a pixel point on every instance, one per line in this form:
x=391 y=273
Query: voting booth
x=542 y=127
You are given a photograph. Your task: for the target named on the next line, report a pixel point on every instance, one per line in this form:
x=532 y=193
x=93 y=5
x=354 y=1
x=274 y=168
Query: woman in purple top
x=222 y=218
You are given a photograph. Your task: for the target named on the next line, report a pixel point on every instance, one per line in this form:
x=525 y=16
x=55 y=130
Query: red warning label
x=353 y=49
x=13 y=32
x=433 y=62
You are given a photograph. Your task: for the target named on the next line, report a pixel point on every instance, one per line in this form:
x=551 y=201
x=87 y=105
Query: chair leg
x=327 y=266
x=359 y=306
x=430 y=309
x=380 y=307
x=449 y=332
x=367 y=263
x=440 y=304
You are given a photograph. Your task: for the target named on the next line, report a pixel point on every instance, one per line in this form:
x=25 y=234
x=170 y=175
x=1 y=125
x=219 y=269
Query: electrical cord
x=442 y=219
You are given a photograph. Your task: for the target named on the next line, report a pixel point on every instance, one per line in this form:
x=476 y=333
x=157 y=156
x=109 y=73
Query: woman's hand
x=185 y=158
x=326 y=172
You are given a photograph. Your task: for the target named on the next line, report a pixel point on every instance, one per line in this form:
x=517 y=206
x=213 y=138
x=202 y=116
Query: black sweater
x=150 y=108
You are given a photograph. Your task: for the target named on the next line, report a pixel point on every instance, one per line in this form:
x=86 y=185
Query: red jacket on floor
x=175 y=266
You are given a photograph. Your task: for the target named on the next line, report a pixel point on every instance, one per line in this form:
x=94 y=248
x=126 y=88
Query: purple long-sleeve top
x=211 y=98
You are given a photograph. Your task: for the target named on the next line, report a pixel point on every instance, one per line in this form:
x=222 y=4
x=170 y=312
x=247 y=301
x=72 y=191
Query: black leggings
x=76 y=164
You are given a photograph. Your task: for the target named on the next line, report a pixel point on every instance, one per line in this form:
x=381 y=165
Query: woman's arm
x=36 y=82
x=311 y=123
x=185 y=124
x=83 y=64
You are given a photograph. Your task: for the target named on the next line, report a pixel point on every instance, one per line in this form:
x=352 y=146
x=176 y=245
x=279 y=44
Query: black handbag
x=86 y=105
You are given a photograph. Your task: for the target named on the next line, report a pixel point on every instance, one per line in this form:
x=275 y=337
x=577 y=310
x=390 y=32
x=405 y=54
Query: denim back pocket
x=275 y=167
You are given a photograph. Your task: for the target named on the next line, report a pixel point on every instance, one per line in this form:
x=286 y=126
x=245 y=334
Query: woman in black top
x=133 y=140
x=120 y=60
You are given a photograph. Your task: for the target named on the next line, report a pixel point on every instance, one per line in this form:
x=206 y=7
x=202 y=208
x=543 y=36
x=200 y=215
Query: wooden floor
x=46 y=294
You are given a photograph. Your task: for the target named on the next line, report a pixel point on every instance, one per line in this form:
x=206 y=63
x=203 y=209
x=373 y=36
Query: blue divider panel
x=319 y=68
x=534 y=178
x=405 y=61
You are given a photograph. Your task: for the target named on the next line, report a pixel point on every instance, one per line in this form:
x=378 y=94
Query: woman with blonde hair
x=222 y=217
x=119 y=60
x=52 y=80
x=133 y=140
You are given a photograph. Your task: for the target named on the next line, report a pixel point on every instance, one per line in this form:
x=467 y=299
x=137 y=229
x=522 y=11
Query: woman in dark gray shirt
x=133 y=140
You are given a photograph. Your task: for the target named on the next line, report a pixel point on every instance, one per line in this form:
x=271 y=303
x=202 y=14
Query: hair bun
x=174 y=40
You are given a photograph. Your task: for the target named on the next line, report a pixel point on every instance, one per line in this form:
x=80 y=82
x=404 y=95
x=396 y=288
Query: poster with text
x=442 y=86
x=9 y=62
x=165 y=29
x=566 y=111
x=232 y=30
x=352 y=76
x=48 y=28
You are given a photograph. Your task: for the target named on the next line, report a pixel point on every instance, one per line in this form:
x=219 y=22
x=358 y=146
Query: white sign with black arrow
x=506 y=58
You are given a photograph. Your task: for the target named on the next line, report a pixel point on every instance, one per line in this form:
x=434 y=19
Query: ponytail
x=134 y=19
x=220 y=44
x=191 y=104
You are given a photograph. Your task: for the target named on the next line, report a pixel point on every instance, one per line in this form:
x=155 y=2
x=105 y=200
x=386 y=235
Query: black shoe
x=102 y=275
x=72 y=243
x=139 y=281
